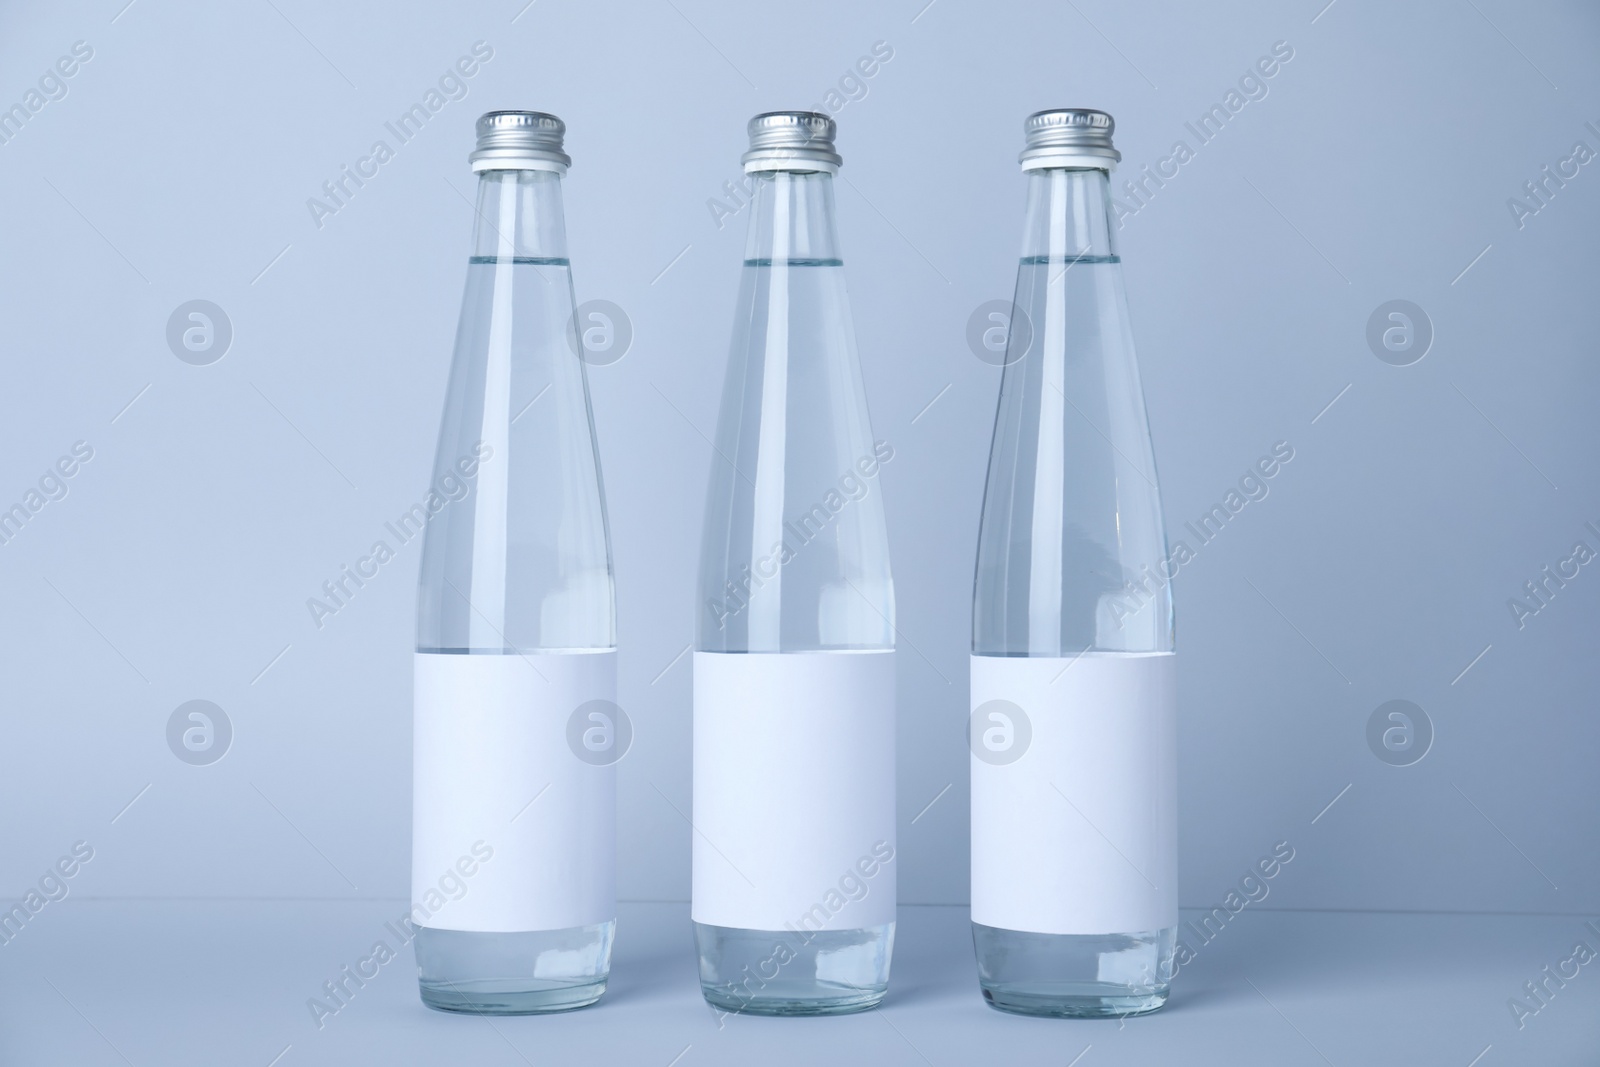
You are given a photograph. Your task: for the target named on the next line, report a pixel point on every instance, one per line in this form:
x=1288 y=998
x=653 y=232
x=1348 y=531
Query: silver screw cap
x=1069 y=137
x=520 y=140
x=792 y=140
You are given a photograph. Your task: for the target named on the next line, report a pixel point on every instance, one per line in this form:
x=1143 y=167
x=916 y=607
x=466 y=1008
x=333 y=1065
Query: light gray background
x=1378 y=167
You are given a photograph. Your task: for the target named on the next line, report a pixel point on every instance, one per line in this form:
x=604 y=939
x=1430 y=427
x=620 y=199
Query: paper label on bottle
x=1074 y=793
x=511 y=830
x=794 y=806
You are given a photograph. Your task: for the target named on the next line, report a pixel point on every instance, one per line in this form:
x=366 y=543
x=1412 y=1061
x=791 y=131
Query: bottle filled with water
x=794 y=805
x=1072 y=730
x=514 y=810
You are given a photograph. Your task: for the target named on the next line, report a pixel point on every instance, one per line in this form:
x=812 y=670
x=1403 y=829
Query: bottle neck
x=792 y=218
x=519 y=216
x=1069 y=216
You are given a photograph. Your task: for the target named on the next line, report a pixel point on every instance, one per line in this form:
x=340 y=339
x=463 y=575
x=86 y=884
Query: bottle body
x=1073 y=734
x=794 y=847
x=513 y=865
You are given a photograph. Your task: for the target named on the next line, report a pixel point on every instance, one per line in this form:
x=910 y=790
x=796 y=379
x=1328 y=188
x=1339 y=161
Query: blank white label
x=794 y=790
x=491 y=764
x=1078 y=834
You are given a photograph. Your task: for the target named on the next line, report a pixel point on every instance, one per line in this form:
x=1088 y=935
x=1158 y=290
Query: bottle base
x=1074 y=976
x=509 y=998
x=524 y=973
x=817 y=999
x=1072 y=1001
x=790 y=973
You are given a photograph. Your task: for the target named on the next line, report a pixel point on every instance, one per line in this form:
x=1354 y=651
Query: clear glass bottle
x=1073 y=729
x=794 y=873
x=513 y=878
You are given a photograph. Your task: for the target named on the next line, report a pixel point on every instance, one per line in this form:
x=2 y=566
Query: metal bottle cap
x=520 y=140
x=1069 y=137
x=792 y=140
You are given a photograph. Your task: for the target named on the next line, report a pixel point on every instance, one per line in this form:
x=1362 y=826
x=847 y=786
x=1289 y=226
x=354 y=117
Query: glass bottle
x=1073 y=730
x=794 y=816
x=514 y=816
